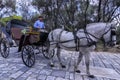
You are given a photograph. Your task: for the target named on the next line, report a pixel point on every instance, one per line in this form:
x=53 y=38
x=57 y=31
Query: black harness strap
x=89 y=40
x=88 y=36
x=52 y=36
x=77 y=41
x=113 y=33
x=60 y=35
x=58 y=44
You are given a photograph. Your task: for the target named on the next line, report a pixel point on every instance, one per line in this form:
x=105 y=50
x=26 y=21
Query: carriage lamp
x=23 y=31
x=30 y=29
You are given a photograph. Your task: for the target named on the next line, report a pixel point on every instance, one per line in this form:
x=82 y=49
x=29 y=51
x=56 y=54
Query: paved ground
x=103 y=65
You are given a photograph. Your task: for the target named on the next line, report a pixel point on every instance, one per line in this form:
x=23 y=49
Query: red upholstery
x=16 y=33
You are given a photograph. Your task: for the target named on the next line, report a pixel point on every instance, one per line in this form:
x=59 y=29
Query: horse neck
x=81 y=33
x=99 y=30
x=96 y=33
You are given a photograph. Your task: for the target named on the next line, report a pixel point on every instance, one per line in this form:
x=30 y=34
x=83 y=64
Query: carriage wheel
x=4 y=48
x=28 y=56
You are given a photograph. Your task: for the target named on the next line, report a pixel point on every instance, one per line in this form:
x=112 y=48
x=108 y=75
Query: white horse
x=81 y=40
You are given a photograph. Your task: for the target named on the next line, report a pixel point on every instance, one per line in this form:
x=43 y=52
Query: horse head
x=104 y=31
x=112 y=40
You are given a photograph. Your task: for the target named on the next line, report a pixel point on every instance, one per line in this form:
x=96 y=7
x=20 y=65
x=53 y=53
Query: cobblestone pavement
x=103 y=65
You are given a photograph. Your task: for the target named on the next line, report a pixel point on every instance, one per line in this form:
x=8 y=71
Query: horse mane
x=93 y=24
x=101 y=23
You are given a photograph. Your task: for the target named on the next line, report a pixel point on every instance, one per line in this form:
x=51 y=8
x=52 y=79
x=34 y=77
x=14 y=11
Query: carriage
x=10 y=35
x=27 y=39
x=34 y=42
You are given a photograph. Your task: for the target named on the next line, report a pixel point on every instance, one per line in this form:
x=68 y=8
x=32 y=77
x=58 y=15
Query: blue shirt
x=39 y=24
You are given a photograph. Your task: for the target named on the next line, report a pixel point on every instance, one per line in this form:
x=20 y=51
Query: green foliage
x=7 y=7
x=16 y=17
x=3 y=21
x=39 y=3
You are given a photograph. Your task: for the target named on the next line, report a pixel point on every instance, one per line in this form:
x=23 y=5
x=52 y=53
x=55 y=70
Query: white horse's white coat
x=58 y=36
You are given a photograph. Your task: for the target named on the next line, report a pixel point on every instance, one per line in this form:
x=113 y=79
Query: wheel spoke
x=26 y=61
x=30 y=63
x=32 y=59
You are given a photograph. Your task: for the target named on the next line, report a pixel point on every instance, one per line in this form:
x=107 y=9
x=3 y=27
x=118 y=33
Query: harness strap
x=113 y=33
x=77 y=42
x=89 y=40
x=52 y=36
x=87 y=36
x=58 y=44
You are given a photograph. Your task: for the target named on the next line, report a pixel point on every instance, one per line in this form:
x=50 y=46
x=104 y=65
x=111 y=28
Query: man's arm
x=36 y=25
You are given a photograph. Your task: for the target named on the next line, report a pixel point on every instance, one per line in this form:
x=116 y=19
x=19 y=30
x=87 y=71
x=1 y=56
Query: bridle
x=112 y=34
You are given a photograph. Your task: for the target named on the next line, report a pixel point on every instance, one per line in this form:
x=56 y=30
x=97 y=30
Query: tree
x=107 y=10
x=50 y=9
x=77 y=13
x=7 y=7
x=24 y=9
x=4 y=20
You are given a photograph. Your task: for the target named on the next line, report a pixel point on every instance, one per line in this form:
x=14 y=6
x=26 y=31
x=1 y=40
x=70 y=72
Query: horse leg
x=87 y=62
x=96 y=47
x=58 y=56
x=104 y=45
x=78 y=62
x=50 y=50
x=51 y=60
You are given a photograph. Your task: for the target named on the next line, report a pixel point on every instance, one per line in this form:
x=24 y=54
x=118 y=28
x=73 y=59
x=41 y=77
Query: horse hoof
x=51 y=65
x=78 y=71
x=91 y=76
x=63 y=66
